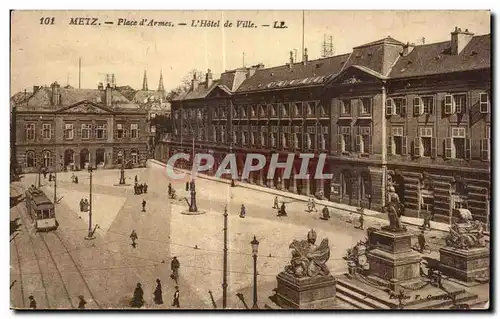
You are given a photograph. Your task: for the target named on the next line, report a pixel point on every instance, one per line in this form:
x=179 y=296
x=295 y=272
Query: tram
x=41 y=210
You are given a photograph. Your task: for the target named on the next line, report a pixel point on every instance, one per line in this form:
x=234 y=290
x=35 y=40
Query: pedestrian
x=73 y=177
x=134 y=237
x=44 y=173
x=86 y=205
x=81 y=204
x=169 y=189
x=187 y=186
x=76 y=179
x=50 y=176
x=361 y=221
x=276 y=204
x=136 y=180
x=144 y=205
x=421 y=241
x=136 y=190
x=282 y=211
x=427 y=222
x=82 y=302
x=325 y=213
x=145 y=187
x=32 y=302
x=349 y=218
x=158 y=297
x=242 y=211
x=139 y=187
x=176 y=302
x=138 y=298
x=175 y=265
x=313 y=205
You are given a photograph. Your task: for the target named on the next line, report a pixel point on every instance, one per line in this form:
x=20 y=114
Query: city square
x=276 y=175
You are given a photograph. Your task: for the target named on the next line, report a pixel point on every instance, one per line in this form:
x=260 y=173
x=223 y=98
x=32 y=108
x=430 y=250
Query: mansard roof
x=436 y=58
x=313 y=72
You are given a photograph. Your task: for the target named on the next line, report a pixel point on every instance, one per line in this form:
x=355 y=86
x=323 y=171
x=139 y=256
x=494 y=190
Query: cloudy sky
x=42 y=54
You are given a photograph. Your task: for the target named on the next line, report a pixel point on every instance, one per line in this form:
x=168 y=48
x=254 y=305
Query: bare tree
x=185 y=84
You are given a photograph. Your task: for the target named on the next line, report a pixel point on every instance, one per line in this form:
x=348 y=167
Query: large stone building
x=78 y=127
x=390 y=116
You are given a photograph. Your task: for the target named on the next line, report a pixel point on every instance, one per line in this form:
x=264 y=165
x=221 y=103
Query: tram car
x=41 y=210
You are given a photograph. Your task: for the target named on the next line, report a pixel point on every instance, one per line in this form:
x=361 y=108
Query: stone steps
x=357 y=297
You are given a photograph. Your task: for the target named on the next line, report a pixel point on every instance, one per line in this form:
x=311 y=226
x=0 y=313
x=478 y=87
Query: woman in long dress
x=158 y=298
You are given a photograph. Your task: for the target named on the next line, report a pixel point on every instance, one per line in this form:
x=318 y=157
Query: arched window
x=30 y=159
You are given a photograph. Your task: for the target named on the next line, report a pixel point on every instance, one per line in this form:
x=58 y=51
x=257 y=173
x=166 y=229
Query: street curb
x=343 y=207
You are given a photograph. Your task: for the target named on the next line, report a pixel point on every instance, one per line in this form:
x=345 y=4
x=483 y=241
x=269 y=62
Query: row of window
x=46 y=159
x=86 y=131
x=426 y=145
x=424 y=105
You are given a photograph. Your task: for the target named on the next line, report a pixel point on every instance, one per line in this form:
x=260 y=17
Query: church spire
x=145 y=82
x=160 y=85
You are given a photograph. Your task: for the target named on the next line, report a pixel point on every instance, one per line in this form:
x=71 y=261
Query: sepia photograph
x=250 y=160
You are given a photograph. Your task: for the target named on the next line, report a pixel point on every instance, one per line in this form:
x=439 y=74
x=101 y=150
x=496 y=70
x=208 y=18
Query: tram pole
x=91 y=233
x=224 y=275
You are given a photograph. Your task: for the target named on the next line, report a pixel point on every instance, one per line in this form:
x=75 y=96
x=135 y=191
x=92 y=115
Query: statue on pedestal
x=309 y=259
x=394 y=211
x=466 y=235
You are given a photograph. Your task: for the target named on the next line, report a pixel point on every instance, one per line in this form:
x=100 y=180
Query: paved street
x=59 y=266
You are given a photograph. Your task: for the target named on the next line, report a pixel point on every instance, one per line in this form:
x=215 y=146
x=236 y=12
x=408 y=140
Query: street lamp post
x=91 y=234
x=255 y=250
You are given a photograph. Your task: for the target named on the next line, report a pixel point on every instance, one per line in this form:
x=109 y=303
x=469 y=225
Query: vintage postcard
x=250 y=160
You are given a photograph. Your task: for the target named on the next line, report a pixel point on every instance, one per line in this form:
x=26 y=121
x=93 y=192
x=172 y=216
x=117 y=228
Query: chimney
x=108 y=96
x=56 y=94
x=306 y=57
x=209 y=78
x=407 y=48
x=100 y=86
x=459 y=40
x=291 y=59
x=194 y=83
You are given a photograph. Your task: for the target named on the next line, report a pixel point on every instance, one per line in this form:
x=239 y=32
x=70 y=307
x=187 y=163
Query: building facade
x=70 y=129
x=391 y=118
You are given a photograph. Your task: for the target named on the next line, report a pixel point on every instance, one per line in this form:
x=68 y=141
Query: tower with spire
x=145 y=82
x=160 y=85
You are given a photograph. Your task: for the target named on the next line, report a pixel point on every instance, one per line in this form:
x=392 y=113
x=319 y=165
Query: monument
x=465 y=256
x=306 y=283
x=193 y=208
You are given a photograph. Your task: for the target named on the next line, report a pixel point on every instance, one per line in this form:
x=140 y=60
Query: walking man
x=144 y=205
x=145 y=187
x=176 y=298
x=421 y=241
x=175 y=265
x=427 y=222
x=276 y=204
x=243 y=211
x=169 y=189
x=82 y=302
x=134 y=237
x=187 y=186
x=32 y=302
x=136 y=180
x=361 y=220
x=158 y=297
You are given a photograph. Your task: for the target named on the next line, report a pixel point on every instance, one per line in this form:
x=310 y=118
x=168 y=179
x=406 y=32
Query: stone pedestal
x=392 y=259
x=305 y=293
x=465 y=265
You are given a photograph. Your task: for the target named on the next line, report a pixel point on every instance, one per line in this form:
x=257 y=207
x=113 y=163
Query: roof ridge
x=309 y=61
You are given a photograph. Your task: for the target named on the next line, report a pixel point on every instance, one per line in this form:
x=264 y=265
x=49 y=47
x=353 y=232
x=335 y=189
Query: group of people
x=140 y=189
x=84 y=205
x=138 y=297
x=361 y=218
x=81 y=302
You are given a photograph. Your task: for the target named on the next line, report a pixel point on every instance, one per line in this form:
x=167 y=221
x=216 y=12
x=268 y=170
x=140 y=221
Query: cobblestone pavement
x=105 y=270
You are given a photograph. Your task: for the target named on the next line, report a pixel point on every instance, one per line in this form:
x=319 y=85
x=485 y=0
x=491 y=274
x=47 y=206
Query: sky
x=42 y=54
